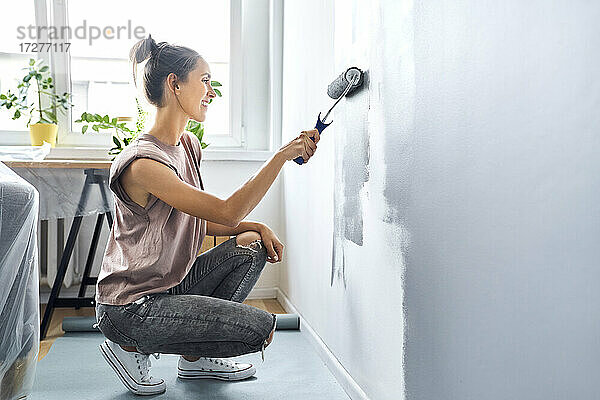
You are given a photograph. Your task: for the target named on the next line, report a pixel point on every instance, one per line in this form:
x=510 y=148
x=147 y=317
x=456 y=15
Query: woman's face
x=196 y=92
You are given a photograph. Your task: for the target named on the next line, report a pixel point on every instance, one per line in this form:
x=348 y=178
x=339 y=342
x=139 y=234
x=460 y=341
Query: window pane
x=101 y=73
x=12 y=60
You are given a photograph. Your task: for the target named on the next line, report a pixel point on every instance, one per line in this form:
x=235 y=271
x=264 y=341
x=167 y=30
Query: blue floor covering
x=292 y=370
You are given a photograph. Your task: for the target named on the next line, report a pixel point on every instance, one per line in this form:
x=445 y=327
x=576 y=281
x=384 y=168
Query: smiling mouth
x=204 y=103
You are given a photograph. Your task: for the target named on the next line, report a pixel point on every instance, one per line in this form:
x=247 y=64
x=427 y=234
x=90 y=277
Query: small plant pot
x=43 y=132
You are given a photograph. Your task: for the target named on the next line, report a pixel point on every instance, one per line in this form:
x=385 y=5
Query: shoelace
x=221 y=361
x=145 y=364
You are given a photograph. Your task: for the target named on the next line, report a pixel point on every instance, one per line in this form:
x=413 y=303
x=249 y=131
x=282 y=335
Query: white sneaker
x=133 y=369
x=215 y=368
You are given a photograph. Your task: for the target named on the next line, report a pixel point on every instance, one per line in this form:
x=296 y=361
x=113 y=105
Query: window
x=100 y=71
x=97 y=70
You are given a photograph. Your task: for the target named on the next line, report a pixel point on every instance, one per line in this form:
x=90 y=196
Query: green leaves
x=141 y=117
x=197 y=129
x=38 y=74
x=51 y=116
x=12 y=102
x=99 y=122
x=122 y=134
x=217 y=91
x=193 y=126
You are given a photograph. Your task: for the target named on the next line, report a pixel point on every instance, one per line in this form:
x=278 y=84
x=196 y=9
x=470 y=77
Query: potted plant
x=46 y=128
x=123 y=135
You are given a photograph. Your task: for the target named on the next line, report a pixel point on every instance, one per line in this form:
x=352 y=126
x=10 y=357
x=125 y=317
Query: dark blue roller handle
x=320 y=126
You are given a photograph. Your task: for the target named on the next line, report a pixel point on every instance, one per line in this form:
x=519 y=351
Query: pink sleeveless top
x=150 y=249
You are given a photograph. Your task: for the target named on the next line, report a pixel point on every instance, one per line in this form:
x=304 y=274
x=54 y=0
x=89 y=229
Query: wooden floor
x=55 y=328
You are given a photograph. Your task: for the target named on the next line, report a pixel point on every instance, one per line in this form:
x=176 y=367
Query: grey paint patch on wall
x=388 y=50
x=351 y=171
x=355 y=170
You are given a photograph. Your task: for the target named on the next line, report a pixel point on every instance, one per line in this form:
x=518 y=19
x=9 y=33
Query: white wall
x=222 y=178
x=501 y=289
x=359 y=315
x=470 y=170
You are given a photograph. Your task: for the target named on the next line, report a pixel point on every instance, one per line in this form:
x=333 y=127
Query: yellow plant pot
x=43 y=132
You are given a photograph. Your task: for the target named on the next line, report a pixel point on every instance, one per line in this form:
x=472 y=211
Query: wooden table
x=97 y=164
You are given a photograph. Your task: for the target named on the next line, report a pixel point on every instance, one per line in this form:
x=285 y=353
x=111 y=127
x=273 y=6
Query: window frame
x=21 y=137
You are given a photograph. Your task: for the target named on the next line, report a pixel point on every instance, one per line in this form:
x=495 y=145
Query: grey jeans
x=203 y=315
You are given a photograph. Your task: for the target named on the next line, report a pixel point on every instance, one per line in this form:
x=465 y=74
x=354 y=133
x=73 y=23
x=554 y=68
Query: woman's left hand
x=272 y=244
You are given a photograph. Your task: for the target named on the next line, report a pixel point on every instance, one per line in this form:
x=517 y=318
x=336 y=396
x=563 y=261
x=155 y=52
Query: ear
x=172 y=82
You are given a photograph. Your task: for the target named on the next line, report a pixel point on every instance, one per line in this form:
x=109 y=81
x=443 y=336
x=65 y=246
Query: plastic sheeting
x=19 y=285
x=24 y=153
x=61 y=190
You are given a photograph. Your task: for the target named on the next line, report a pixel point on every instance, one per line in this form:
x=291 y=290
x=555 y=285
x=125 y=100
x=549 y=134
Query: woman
x=154 y=293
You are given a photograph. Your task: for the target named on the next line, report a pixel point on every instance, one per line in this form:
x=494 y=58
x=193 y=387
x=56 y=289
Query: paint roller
x=86 y=324
x=346 y=83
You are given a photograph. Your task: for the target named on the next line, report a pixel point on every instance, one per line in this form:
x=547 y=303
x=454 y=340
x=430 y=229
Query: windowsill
x=101 y=153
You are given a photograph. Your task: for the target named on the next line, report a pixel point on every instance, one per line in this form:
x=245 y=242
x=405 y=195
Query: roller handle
x=320 y=126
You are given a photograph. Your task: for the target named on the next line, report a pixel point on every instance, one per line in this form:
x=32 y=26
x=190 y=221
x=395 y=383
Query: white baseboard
x=337 y=369
x=262 y=293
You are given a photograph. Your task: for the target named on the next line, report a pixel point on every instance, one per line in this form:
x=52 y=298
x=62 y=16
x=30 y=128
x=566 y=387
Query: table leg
x=85 y=280
x=60 y=275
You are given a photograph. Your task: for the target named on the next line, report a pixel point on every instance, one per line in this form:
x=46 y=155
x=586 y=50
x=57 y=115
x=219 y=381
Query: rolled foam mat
x=287 y=321
x=85 y=324
x=79 y=324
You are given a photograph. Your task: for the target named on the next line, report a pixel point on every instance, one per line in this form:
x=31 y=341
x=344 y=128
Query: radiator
x=52 y=237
